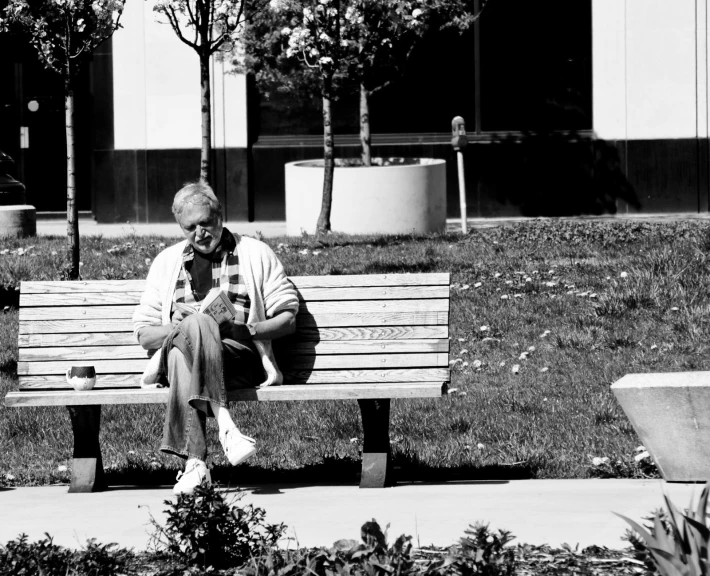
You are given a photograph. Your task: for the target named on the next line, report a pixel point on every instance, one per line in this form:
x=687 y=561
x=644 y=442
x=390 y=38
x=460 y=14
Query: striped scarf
x=225 y=275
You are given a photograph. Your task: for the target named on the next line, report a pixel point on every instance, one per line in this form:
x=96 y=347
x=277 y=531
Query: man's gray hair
x=198 y=194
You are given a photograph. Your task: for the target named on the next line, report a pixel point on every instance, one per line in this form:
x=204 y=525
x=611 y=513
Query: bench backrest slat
x=351 y=329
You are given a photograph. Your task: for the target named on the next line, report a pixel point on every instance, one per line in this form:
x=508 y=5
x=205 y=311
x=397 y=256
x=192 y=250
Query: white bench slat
x=132 y=379
x=305 y=319
x=307 y=294
x=87 y=339
x=271 y=393
x=364 y=307
x=416 y=279
x=74 y=327
x=54 y=358
x=335 y=337
x=133 y=350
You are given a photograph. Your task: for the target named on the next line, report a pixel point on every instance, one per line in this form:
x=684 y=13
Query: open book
x=216 y=304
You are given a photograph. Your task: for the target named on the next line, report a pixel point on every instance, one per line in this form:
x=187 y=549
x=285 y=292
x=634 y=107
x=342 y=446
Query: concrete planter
x=403 y=198
x=671 y=414
x=18 y=220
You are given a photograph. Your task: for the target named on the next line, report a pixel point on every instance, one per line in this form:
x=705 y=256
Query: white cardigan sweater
x=268 y=287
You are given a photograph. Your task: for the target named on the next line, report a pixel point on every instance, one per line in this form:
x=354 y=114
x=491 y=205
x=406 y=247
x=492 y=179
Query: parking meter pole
x=459 y=141
x=462 y=193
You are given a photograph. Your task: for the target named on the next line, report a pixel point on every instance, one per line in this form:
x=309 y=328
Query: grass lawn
x=544 y=318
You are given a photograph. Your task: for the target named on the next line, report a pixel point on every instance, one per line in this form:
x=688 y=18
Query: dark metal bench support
x=376 y=452
x=88 y=470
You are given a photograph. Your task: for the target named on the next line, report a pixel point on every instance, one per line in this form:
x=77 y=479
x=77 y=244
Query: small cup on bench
x=81 y=378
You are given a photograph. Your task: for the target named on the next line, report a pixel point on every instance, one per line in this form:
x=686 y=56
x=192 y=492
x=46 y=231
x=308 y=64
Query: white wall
x=650 y=67
x=157 y=89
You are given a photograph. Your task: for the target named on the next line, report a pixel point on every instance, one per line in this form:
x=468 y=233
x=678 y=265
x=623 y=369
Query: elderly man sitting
x=199 y=359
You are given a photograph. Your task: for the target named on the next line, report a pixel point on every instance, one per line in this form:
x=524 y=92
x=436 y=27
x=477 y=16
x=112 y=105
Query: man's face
x=201 y=227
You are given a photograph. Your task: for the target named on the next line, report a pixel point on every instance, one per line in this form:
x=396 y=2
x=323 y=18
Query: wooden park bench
x=364 y=337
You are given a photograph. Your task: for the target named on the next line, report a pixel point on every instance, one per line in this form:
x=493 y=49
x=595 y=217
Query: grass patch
x=545 y=317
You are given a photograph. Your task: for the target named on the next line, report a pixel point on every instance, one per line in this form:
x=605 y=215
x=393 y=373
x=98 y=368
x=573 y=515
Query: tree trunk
x=206 y=103
x=323 y=225
x=72 y=212
x=365 y=140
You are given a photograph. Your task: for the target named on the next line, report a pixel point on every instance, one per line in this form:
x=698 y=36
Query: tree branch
x=172 y=18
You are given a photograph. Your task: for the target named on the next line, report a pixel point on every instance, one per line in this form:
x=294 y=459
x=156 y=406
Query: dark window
x=535 y=74
x=536 y=69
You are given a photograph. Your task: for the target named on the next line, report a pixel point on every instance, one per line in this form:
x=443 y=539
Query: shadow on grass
x=331 y=471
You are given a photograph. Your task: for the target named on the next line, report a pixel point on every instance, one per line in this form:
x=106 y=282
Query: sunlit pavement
x=578 y=512
x=269 y=229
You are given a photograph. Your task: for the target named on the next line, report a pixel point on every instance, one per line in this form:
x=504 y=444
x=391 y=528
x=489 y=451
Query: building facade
x=583 y=107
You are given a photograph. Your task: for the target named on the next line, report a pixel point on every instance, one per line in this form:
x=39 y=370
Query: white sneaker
x=195 y=472
x=237 y=447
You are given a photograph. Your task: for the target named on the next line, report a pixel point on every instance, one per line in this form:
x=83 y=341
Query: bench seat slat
x=58 y=359
x=305 y=294
x=102 y=316
x=125 y=379
x=74 y=327
x=307 y=349
x=395 y=339
x=271 y=393
x=419 y=279
x=364 y=307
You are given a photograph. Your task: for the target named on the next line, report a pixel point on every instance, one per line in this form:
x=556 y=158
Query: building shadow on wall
x=553 y=174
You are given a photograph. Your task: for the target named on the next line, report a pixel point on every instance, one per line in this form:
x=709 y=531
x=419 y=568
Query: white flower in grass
x=477 y=364
x=623 y=275
x=465 y=287
x=517 y=295
x=147 y=261
x=653 y=347
x=484 y=328
x=544 y=369
x=674 y=309
x=523 y=356
x=462 y=339
x=353 y=440
x=597 y=461
x=515 y=369
x=161 y=245
x=531 y=348
x=478 y=284
x=464 y=351
x=480 y=446
x=497 y=275
x=504 y=297
x=9 y=477
x=502 y=363
x=61 y=468
x=304 y=251
x=544 y=334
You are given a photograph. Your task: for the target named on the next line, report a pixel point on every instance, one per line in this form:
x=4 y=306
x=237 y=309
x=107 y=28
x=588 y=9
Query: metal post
x=462 y=192
x=459 y=141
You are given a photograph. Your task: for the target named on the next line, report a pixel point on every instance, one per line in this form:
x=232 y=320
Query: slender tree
x=208 y=27
x=65 y=33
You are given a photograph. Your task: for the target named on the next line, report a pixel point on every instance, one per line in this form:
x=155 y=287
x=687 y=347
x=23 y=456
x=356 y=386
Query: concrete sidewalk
x=269 y=229
x=535 y=511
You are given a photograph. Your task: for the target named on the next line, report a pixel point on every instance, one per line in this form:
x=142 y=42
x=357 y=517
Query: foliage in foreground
x=677 y=543
x=22 y=558
x=203 y=529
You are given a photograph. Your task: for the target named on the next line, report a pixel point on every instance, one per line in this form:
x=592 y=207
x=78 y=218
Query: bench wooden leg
x=88 y=470
x=376 y=453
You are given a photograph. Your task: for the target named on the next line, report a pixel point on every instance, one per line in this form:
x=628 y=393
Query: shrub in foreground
x=22 y=558
x=203 y=529
x=677 y=544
